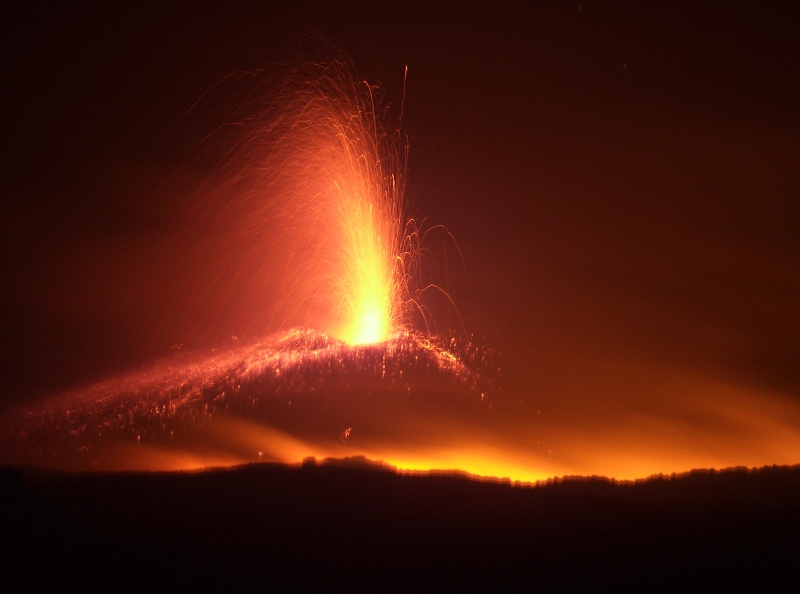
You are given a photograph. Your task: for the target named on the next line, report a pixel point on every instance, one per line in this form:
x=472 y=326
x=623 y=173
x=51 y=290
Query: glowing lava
x=308 y=208
x=359 y=200
x=410 y=402
x=295 y=394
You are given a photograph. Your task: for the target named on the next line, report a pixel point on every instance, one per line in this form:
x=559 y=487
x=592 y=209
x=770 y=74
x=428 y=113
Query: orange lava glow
x=407 y=403
x=357 y=201
x=761 y=431
x=307 y=210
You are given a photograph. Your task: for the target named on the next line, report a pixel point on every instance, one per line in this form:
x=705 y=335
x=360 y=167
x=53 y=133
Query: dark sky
x=621 y=179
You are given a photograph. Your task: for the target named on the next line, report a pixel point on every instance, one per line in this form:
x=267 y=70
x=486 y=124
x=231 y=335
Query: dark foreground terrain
x=353 y=524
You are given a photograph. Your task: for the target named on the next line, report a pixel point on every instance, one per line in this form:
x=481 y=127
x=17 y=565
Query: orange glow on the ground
x=303 y=395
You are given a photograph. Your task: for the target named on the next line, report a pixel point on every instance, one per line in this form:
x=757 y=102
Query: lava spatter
x=301 y=383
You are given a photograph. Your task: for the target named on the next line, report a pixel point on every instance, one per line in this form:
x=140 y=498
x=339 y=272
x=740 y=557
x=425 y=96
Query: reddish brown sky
x=622 y=182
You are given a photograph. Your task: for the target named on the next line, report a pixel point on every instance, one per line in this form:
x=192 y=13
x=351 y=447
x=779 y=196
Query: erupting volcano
x=502 y=297
x=301 y=240
x=313 y=191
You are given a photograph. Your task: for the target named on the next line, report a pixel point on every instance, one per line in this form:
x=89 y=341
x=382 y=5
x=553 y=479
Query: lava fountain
x=309 y=206
x=346 y=203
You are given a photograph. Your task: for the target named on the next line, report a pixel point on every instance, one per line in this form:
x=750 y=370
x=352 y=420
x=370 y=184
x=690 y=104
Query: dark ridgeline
x=352 y=524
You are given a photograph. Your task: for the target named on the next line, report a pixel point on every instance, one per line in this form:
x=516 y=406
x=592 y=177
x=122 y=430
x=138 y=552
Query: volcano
x=256 y=403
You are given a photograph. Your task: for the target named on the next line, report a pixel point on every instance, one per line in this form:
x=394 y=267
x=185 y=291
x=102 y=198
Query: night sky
x=622 y=181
